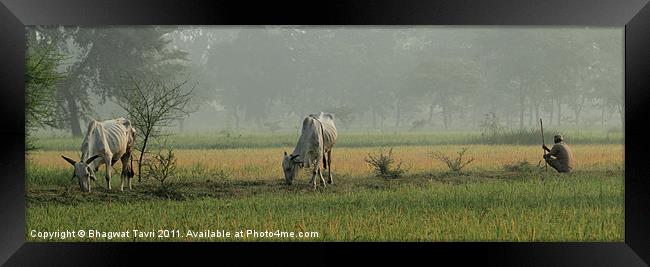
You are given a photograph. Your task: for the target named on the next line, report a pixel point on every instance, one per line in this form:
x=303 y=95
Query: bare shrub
x=162 y=166
x=454 y=164
x=382 y=164
x=153 y=105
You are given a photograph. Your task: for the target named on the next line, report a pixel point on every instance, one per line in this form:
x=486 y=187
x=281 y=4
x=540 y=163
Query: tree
x=104 y=58
x=344 y=115
x=152 y=105
x=445 y=80
x=42 y=60
x=197 y=41
x=606 y=71
x=250 y=72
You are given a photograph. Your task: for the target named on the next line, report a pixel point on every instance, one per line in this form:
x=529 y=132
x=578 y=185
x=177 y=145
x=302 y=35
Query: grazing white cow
x=316 y=140
x=105 y=143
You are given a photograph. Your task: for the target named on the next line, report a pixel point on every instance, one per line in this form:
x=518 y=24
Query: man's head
x=558 y=138
x=82 y=171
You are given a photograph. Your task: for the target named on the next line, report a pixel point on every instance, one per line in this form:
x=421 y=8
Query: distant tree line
x=419 y=76
x=401 y=78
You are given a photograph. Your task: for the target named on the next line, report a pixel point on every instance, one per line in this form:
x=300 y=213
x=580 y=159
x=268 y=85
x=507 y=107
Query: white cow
x=316 y=140
x=105 y=143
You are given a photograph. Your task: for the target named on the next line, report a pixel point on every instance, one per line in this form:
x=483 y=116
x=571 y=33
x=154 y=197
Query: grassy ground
x=239 y=189
x=353 y=140
x=578 y=207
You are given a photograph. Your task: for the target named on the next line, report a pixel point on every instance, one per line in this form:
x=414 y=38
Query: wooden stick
x=541 y=125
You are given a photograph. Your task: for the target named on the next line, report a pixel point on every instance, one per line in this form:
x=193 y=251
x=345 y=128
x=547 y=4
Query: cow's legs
x=121 y=182
x=329 y=166
x=125 y=171
x=315 y=171
x=320 y=174
x=122 y=178
x=109 y=168
x=312 y=181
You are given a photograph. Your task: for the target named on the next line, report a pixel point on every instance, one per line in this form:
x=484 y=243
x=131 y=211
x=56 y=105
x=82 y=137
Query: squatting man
x=560 y=156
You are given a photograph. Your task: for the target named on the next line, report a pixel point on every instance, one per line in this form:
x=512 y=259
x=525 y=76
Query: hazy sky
x=393 y=78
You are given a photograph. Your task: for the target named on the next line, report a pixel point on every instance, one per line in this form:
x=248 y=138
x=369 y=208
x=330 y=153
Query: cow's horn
x=88 y=161
x=294 y=156
x=69 y=160
x=285 y=153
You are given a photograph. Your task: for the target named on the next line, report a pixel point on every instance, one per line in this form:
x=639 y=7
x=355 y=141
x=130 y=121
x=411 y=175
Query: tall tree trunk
x=536 y=111
x=445 y=116
x=550 y=117
x=430 y=113
x=73 y=115
x=181 y=125
x=237 y=119
x=530 y=112
x=142 y=151
x=448 y=123
x=511 y=119
x=621 y=113
x=374 y=118
x=473 y=115
x=398 y=112
x=602 y=114
x=559 y=113
x=578 y=109
x=522 y=106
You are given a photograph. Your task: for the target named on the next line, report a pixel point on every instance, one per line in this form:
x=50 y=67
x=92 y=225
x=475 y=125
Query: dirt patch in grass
x=182 y=191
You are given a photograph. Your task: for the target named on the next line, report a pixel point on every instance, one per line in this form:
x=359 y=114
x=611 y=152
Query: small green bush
x=382 y=164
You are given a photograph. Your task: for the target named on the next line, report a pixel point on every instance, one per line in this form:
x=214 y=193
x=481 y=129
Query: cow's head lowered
x=83 y=172
x=290 y=165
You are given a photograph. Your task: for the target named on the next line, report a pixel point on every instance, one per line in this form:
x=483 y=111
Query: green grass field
x=241 y=189
x=356 y=139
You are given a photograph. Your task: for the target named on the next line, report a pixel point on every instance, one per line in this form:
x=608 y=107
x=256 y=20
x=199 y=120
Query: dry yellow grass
x=265 y=163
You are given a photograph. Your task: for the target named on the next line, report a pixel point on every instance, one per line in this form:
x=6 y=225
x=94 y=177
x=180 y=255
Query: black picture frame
x=633 y=15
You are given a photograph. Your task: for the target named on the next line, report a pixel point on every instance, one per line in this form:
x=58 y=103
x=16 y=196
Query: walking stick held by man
x=541 y=125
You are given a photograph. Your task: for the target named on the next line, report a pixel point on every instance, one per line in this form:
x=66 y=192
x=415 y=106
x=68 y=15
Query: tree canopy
x=375 y=78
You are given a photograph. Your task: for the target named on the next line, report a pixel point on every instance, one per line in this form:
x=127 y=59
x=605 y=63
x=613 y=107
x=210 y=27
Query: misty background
x=373 y=79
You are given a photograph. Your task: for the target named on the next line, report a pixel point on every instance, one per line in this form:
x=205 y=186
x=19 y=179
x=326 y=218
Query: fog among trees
x=388 y=79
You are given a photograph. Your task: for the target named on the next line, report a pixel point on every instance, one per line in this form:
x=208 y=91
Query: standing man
x=560 y=156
